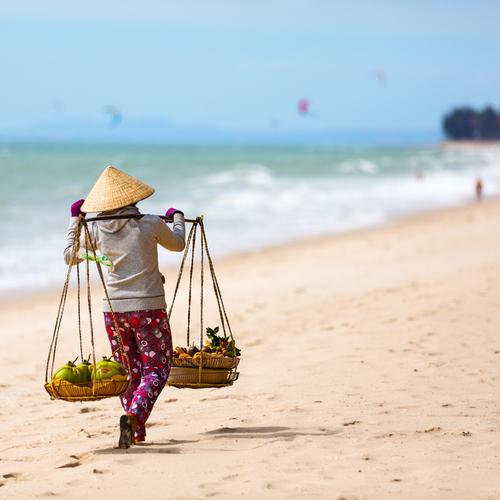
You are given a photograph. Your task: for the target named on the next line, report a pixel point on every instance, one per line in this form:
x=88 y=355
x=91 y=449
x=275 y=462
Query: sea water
x=251 y=196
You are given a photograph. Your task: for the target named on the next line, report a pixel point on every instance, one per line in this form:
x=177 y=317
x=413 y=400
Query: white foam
x=251 y=205
x=253 y=174
x=359 y=166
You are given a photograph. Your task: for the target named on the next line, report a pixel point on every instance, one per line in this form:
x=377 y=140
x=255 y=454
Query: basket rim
x=208 y=361
x=186 y=385
x=192 y=377
x=197 y=368
x=54 y=388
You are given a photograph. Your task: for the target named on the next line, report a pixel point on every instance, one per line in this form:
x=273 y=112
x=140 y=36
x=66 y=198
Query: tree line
x=469 y=123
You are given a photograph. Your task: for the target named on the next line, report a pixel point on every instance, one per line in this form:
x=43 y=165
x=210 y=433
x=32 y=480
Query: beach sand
x=370 y=369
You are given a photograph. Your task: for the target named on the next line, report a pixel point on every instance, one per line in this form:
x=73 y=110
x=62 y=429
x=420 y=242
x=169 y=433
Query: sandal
x=126 y=432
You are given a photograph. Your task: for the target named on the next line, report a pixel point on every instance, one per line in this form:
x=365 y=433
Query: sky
x=243 y=66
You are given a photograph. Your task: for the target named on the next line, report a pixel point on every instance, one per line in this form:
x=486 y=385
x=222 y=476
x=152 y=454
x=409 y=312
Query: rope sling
x=210 y=372
x=96 y=389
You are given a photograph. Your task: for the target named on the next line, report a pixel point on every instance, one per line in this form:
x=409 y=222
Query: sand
x=370 y=369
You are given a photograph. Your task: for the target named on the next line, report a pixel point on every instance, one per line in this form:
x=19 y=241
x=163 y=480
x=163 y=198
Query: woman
x=135 y=288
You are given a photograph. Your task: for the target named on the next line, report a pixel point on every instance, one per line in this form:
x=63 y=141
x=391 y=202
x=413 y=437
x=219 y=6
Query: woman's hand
x=171 y=211
x=76 y=208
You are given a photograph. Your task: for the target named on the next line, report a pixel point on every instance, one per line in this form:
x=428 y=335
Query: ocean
x=251 y=196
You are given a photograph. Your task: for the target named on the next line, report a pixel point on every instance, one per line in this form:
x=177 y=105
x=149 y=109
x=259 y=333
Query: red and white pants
x=147 y=341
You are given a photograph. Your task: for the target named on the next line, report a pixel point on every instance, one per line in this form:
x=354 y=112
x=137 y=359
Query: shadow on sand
x=268 y=432
x=264 y=432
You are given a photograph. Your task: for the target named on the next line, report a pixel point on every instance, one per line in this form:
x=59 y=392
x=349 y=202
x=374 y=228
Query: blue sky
x=242 y=66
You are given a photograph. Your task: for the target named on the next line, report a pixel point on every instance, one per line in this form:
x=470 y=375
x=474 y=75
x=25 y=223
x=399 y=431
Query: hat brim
x=115 y=189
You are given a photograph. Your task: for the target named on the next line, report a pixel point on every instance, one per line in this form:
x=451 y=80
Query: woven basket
x=210 y=360
x=187 y=362
x=196 y=378
x=62 y=389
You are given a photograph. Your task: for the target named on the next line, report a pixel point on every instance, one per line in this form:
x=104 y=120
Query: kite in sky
x=303 y=106
x=115 y=115
x=379 y=75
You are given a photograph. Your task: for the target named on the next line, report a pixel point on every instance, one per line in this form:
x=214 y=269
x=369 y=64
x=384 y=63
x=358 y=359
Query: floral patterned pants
x=147 y=341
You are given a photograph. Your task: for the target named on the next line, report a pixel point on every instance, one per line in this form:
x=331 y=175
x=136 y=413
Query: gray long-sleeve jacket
x=134 y=283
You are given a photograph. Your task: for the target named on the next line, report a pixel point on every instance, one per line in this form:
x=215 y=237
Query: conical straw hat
x=115 y=189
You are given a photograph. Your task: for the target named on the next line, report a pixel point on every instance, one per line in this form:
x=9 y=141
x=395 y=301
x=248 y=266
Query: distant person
x=419 y=175
x=479 y=189
x=135 y=287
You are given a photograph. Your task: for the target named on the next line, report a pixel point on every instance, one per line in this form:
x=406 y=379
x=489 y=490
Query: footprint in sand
x=87 y=433
x=9 y=476
x=213 y=494
x=427 y=431
x=390 y=435
x=88 y=409
x=76 y=461
x=229 y=476
x=226 y=396
x=70 y=465
x=12 y=475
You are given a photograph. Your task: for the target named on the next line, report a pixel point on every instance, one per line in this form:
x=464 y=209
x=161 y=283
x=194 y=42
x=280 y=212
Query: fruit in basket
x=232 y=350
x=184 y=355
x=109 y=369
x=178 y=351
x=206 y=348
x=221 y=345
x=192 y=350
x=70 y=373
x=85 y=368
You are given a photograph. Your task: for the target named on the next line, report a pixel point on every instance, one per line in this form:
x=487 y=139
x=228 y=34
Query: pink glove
x=171 y=211
x=76 y=208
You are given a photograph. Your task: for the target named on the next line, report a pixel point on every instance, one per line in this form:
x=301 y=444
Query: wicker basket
x=210 y=360
x=218 y=362
x=196 y=378
x=62 y=389
x=187 y=362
